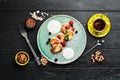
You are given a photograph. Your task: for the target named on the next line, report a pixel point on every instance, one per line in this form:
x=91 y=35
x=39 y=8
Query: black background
x=14 y=12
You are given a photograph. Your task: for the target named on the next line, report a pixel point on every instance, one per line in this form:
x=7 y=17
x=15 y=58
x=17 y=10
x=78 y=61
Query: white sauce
x=54 y=26
x=68 y=53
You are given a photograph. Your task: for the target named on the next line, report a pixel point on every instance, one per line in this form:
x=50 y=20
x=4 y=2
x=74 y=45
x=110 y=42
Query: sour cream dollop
x=54 y=26
x=68 y=53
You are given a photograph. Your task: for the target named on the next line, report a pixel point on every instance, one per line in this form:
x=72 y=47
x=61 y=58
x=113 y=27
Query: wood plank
x=111 y=60
x=111 y=40
x=60 y=74
x=18 y=17
x=13 y=13
x=60 y=5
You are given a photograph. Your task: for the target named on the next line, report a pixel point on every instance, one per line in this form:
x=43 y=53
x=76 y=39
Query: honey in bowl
x=99 y=25
x=22 y=58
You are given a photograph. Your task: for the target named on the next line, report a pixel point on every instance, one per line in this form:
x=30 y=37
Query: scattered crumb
x=36 y=13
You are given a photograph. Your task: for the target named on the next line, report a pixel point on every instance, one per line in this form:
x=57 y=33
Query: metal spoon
x=99 y=42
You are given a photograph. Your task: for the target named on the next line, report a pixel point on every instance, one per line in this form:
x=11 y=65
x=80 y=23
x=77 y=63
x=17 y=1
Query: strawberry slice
x=63 y=43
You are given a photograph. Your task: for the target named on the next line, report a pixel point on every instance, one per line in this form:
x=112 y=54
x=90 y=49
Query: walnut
x=98 y=53
x=92 y=58
x=44 y=61
x=97 y=57
x=101 y=58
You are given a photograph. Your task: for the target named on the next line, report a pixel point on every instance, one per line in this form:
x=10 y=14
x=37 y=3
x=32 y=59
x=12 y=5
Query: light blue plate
x=78 y=43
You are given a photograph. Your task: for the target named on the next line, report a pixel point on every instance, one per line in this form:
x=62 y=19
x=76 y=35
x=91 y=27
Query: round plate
x=78 y=43
x=90 y=25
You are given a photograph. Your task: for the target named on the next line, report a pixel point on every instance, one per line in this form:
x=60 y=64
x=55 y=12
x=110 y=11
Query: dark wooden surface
x=14 y=12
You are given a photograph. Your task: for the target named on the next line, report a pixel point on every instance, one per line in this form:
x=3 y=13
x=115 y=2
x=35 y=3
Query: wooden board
x=14 y=13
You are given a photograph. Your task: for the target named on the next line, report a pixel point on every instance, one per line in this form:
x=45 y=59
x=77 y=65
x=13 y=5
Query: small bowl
x=22 y=58
x=99 y=25
x=30 y=23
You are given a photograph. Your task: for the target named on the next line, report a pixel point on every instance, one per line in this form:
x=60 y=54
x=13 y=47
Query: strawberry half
x=73 y=29
x=68 y=27
x=52 y=50
x=71 y=23
x=59 y=37
x=63 y=43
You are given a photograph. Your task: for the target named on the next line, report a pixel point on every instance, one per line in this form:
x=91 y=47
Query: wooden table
x=14 y=12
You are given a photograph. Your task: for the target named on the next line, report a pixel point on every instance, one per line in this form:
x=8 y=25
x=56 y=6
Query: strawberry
x=73 y=29
x=71 y=23
x=59 y=37
x=52 y=50
x=68 y=27
x=63 y=43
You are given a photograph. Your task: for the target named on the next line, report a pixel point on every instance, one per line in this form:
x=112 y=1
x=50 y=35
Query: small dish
x=22 y=58
x=30 y=23
x=96 y=18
